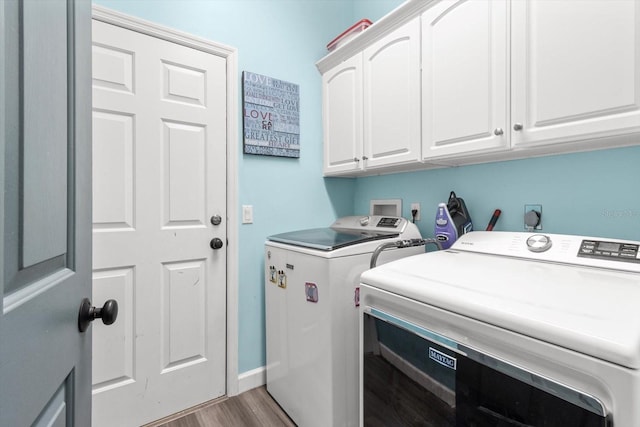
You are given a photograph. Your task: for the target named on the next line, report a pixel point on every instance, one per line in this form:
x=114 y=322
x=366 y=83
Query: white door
x=159 y=117
x=392 y=97
x=464 y=80
x=342 y=116
x=575 y=71
x=45 y=212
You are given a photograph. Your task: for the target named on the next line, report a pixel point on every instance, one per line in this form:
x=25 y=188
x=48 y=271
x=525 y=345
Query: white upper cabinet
x=464 y=78
x=371 y=105
x=392 y=98
x=575 y=70
x=453 y=82
x=342 y=117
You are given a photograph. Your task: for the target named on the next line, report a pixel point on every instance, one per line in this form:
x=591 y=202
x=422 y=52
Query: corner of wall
x=252 y=379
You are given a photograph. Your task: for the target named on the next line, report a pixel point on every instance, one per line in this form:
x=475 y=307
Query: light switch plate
x=247 y=214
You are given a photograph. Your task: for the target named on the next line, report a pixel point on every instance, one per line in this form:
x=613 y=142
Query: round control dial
x=538 y=243
x=364 y=221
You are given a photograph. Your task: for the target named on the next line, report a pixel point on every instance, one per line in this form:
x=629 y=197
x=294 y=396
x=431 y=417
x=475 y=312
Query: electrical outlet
x=416 y=206
x=533 y=217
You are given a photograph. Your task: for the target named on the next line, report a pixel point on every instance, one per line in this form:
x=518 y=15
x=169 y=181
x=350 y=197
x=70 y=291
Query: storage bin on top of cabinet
x=371 y=105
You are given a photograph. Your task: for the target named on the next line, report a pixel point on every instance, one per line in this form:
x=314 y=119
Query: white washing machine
x=312 y=299
x=510 y=329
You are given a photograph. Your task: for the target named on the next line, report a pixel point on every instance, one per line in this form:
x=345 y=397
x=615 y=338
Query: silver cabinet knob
x=517 y=126
x=365 y=158
x=355 y=159
x=498 y=132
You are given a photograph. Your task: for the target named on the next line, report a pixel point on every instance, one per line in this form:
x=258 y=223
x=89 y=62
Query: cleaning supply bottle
x=445 y=229
x=452 y=221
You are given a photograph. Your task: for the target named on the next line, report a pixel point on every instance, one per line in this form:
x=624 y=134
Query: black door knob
x=87 y=314
x=216 y=243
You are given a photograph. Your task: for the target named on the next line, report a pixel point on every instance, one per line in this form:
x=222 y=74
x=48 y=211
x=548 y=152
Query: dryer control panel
x=616 y=251
x=588 y=251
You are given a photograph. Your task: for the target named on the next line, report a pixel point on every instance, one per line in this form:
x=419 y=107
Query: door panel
x=113 y=159
x=342 y=116
x=54 y=413
x=392 y=97
x=183 y=314
x=45 y=147
x=183 y=84
x=464 y=78
x=184 y=167
x=45 y=255
x=159 y=176
x=114 y=352
x=575 y=83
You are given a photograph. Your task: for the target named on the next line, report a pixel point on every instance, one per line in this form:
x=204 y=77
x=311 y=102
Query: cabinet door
x=464 y=81
x=576 y=70
x=392 y=98
x=342 y=117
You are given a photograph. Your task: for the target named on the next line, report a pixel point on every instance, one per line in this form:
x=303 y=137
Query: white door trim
x=109 y=16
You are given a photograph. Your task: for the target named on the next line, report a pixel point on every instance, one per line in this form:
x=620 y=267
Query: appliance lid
x=348 y=231
x=585 y=308
x=329 y=239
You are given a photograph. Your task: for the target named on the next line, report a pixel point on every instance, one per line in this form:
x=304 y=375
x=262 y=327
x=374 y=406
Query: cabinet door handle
x=517 y=126
x=365 y=158
x=498 y=132
x=355 y=159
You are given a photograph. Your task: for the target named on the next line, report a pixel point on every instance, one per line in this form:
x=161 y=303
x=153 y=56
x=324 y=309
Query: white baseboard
x=252 y=379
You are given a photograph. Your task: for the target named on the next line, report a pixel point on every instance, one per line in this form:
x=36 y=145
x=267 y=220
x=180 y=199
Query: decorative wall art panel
x=271 y=113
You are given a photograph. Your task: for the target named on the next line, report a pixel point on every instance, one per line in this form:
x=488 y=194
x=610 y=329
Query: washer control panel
x=371 y=223
x=388 y=222
x=609 y=250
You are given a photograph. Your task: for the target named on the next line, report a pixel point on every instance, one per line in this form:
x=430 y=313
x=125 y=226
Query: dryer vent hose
x=399 y=244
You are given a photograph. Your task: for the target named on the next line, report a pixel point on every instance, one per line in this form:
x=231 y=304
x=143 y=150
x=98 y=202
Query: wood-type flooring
x=253 y=408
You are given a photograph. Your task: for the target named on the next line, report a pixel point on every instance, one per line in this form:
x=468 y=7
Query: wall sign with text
x=271 y=116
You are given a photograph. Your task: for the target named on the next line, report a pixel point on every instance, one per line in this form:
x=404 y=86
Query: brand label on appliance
x=441 y=358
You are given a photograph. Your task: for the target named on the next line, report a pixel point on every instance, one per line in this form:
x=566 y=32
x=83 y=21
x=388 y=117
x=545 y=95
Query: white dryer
x=312 y=298
x=509 y=329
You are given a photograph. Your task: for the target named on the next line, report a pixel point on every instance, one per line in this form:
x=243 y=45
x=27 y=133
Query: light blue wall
x=282 y=39
x=373 y=9
x=593 y=193
x=588 y=193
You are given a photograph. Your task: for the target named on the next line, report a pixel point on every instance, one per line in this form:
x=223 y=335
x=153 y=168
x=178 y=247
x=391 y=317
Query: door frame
x=109 y=16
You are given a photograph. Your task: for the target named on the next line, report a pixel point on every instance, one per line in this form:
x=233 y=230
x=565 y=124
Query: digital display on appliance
x=608 y=246
x=387 y=222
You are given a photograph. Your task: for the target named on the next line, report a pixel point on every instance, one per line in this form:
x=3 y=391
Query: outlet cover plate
x=533 y=207
x=416 y=206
